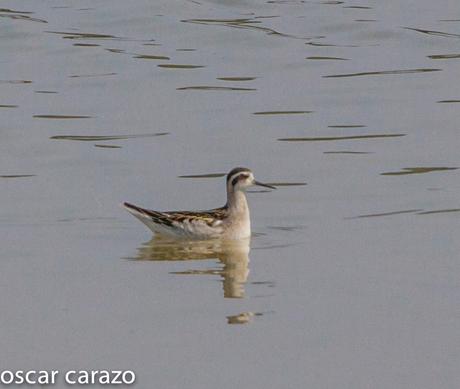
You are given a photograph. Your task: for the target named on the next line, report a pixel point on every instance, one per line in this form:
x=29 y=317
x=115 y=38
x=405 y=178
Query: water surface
x=350 y=281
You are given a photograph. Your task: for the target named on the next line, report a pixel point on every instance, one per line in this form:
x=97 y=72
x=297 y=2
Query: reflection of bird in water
x=231 y=221
x=242 y=318
x=233 y=254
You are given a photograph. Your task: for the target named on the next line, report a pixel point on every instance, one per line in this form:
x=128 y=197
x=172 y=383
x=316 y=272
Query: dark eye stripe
x=239 y=177
x=237 y=170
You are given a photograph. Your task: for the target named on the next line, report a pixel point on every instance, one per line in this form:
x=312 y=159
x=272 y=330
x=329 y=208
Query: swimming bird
x=232 y=221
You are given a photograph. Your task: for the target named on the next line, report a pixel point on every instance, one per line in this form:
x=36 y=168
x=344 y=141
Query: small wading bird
x=231 y=221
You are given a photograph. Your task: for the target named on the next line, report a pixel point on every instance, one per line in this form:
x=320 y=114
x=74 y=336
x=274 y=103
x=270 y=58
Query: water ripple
x=281 y=112
x=236 y=78
x=62 y=117
x=176 y=66
x=17 y=175
x=215 y=88
x=433 y=32
x=383 y=72
x=318 y=58
x=19 y=15
x=334 y=138
x=449 y=210
x=243 y=23
x=92 y=138
x=418 y=170
x=384 y=214
x=444 y=56
x=145 y=56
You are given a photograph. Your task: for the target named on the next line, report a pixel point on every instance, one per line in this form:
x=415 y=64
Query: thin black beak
x=265 y=185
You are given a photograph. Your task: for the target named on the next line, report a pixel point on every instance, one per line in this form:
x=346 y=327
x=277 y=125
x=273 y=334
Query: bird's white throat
x=239 y=217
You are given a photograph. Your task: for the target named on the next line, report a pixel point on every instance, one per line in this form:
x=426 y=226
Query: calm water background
x=351 y=282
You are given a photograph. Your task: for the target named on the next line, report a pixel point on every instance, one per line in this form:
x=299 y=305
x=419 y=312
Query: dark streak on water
x=8 y=10
x=418 y=170
x=316 y=44
x=444 y=56
x=448 y=101
x=333 y=138
x=173 y=66
x=92 y=75
x=83 y=35
x=8 y=106
x=90 y=35
x=439 y=211
x=86 y=45
x=62 y=117
x=274 y=246
x=236 y=78
x=244 y=23
x=158 y=57
x=108 y=146
x=347 y=152
x=286 y=228
x=215 y=88
x=22 y=17
x=383 y=72
x=327 y=58
x=433 y=32
x=118 y=51
x=384 y=214
x=267 y=17
x=17 y=175
x=347 y=126
x=15 y=82
x=92 y=138
x=281 y=112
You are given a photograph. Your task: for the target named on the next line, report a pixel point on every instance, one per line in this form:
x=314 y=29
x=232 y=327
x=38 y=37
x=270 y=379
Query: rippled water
x=351 y=277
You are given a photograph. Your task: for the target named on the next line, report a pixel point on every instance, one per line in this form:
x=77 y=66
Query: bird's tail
x=155 y=221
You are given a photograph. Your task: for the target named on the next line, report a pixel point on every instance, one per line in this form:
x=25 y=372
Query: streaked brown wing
x=209 y=217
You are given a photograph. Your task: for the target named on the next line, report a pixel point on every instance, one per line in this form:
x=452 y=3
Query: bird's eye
x=240 y=177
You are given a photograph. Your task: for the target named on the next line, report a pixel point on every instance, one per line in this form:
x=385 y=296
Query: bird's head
x=241 y=178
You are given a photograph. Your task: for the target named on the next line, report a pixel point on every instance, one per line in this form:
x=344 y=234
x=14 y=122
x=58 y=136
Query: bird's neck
x=237 y=203
x=238 y=219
